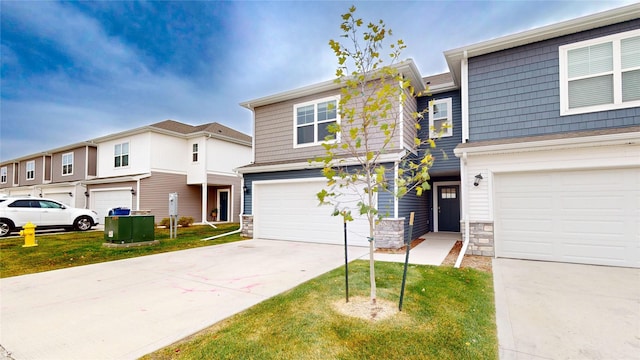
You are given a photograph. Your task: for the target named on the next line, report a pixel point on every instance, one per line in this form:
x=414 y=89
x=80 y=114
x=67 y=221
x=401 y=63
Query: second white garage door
x=289 y=211
x=589 y=217
x=102 y=201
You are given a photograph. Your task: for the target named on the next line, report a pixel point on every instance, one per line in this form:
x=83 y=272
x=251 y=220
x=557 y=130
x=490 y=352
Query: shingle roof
x=213 y=128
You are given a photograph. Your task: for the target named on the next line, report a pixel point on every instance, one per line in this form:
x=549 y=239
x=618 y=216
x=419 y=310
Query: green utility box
x=129 y=229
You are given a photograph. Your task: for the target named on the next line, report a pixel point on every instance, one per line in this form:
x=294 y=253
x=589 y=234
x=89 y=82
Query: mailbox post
x=173 y=215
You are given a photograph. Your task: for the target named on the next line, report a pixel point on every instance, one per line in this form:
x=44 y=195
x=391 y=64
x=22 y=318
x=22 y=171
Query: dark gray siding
x=445 y=160
x=418 y=204
x=515 y=92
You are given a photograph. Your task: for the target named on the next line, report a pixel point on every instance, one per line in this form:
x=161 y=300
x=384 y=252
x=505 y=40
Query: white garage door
x=589 y=217
x=102 y=201
x=60 y=197
x=290 y=211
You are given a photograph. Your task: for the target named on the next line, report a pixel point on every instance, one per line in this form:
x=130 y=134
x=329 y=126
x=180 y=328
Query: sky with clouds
x=73 y=71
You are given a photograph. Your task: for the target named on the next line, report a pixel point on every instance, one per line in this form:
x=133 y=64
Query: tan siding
x=93 y=161
x=155 y=190
x=38 y=172
x=47 y=168
x=275 y=127
x=410 y=107
x=78 y=165
x=9 y=182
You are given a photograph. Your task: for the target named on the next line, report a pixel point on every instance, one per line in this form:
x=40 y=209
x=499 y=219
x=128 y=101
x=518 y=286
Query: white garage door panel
x=290 y=211
x=587 y=217
x=102 y=201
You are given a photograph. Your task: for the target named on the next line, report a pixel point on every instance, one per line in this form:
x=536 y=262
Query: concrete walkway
x=547 y=310
x=128 y=308
x=432 y=251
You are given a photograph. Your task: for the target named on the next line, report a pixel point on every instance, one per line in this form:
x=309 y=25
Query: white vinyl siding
x=312 y=119
x=31 y=170
x=600 y=74
x=440 y=118
x=67 y=164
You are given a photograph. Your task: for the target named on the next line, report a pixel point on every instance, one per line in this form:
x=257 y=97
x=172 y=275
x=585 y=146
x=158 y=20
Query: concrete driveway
x=128 y=308
x=548 y=310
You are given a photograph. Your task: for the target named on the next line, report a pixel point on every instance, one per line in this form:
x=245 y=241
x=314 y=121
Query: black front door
x=224 y=206
x=449 y=208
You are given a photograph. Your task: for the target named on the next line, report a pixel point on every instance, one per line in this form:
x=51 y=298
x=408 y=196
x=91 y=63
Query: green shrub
x=185 y=221
x=165 y=222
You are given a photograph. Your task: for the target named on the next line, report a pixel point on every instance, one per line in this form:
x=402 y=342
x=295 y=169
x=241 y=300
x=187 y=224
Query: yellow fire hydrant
x=29 y=234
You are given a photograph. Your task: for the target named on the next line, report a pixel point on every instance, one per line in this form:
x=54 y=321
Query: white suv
x=44 y=213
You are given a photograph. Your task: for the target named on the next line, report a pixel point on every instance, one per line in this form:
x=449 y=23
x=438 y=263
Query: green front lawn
x=58 y=251
x=447 y=314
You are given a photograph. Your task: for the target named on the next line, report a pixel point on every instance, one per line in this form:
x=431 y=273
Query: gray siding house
x=551 y=122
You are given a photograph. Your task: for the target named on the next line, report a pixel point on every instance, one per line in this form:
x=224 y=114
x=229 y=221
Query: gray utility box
x=129 y=229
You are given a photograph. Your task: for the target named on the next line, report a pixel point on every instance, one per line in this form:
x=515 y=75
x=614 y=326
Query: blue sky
x=73 y=71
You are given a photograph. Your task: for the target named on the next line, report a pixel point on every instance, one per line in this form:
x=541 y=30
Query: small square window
x=312 y=121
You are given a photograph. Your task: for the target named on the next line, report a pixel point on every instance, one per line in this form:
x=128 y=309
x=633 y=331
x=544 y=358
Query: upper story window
x=3 y=175
x=194 y=153
x=121 y=155
x=67 y=164
x=312 y=119
x=440 y=118
x=31 y=170
x=600 y=74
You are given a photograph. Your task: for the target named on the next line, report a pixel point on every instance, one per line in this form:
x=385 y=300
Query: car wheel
x=5 y=227
x=83 y=223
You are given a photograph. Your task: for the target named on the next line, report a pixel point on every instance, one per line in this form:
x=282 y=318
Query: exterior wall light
x=133 y=192
x=86 y=193
x=478 y=177
x=245 y=189
x=70 y=194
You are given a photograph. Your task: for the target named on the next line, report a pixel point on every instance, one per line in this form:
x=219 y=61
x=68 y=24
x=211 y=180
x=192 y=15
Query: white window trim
x=315 y=122
x=617 y=75
x=128 y=155
x=196 y=152
x=449 y=103
x=4 y=172
x=72 y=165
x=33 y=163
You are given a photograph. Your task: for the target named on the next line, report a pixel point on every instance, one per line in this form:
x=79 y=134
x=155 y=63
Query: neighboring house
x=280 y=202
x=139 y=168
x=551 y=122
x=57 y=174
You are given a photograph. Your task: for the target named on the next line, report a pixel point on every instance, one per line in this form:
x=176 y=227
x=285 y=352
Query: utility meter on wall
x=173 y=204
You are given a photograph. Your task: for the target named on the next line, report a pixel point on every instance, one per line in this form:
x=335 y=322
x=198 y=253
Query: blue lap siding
x=516 y=92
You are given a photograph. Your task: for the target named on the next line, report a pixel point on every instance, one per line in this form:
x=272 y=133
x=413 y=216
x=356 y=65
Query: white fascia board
x=443 y=88
x=115 y=179
x=618 y=15
x=384 y=158
x=630 y=138
x=407 y=67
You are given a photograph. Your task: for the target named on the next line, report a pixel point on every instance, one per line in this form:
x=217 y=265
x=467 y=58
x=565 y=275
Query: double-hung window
x=312 y=121
x=121 y=155
x=3 y=175
x=194 y=153
x=67 y=164
x=440 y=118
x=31 y=170
x=600 y=74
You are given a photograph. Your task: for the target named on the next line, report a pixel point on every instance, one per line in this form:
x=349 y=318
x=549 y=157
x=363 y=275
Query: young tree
x=372 y=93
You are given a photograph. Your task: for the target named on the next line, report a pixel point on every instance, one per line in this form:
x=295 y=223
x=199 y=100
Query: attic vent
x=220 y=131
